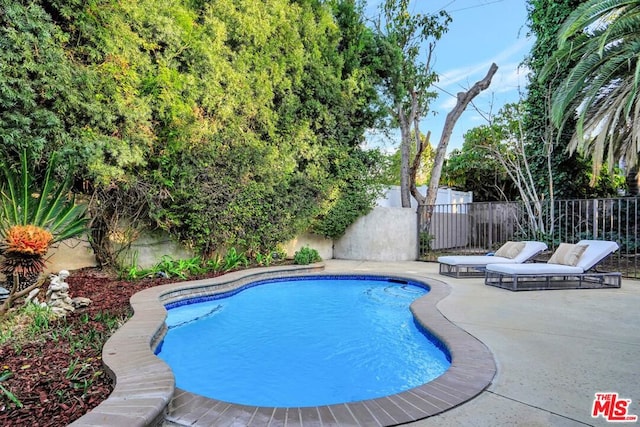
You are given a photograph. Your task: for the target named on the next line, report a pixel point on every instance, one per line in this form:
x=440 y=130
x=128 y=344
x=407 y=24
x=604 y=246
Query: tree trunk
x=464 y=98
x=416 y=165
x=405 y=153
x=405 y=147
x=16 y=293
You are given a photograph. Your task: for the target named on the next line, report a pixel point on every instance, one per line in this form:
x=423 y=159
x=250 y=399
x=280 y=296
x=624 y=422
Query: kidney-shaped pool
x=299 y=342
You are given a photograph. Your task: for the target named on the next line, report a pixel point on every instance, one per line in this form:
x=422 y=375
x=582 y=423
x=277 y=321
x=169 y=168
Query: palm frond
x=10 y=196
x=39 y=211
x=602 y=39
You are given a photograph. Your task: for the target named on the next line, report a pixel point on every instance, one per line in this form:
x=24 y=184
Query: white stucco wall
x=385 y=234
x=445 y=196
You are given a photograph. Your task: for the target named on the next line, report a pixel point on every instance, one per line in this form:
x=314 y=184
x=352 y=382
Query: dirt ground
x=58 y=376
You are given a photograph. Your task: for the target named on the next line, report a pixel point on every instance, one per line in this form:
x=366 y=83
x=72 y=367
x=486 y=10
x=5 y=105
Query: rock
x=32 y=296
x=59 y=311
x=80 y=302
x=61 y=307
x=57 y=284
x=58 y=294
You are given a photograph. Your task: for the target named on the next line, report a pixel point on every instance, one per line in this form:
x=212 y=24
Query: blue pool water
x=297 y=343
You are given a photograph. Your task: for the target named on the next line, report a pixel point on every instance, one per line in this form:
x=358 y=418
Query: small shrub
x=234 y=259
x=214 y=265
x=306 y=255
x=425 y=240
x=264 y=260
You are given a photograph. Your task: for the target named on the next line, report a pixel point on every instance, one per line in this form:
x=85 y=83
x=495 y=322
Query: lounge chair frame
x=460 y=271
x=534 y=282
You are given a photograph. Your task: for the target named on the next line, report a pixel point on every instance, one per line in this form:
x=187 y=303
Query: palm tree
x=602 y=39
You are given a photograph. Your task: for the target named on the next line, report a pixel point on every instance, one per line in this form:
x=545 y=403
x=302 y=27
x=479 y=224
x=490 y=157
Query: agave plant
x=34 y=216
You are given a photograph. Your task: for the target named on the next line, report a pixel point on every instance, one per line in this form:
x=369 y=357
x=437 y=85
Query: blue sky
x=482 y=32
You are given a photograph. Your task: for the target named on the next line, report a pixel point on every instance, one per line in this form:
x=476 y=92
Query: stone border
x=145 y=392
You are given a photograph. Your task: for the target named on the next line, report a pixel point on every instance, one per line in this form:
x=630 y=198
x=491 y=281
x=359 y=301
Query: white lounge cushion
x=530 y=249
x=534 y=269
x=473 y=259
x=595 y=252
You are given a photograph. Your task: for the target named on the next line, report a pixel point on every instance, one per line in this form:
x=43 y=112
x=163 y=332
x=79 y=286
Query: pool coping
x=145 y=393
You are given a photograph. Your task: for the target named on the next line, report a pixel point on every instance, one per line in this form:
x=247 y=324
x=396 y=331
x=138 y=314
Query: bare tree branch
x=463 y=99
x=15 y=294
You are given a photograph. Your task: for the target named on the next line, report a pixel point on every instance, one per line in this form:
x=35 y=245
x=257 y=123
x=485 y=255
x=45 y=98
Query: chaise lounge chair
x=570 y=267
x=461 y=266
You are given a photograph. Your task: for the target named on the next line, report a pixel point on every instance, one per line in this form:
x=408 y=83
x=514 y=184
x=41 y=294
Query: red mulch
x=58 y=380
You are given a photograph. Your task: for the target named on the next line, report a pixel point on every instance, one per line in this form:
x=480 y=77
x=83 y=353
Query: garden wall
x=148 y=249
x=385 y=234
x=71 y=254
x=322 y=245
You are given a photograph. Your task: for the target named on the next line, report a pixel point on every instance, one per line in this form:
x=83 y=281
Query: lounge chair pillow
x=567 y=254
x=510 y=250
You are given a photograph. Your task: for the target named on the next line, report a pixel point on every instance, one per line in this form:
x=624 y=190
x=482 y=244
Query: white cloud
x=447 y=104
x=506 y=86
x=510 y=82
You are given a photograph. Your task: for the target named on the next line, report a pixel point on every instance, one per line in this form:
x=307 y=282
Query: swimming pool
x=299 y=342
x=145 y=391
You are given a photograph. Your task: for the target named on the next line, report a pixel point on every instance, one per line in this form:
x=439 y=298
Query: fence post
x=490 y=225
x=595 y=218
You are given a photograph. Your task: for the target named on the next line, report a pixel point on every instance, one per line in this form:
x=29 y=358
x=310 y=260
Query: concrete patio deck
x=554 y=349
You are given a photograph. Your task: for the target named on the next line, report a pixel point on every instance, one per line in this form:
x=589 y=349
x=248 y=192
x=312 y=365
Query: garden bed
x=56 y=367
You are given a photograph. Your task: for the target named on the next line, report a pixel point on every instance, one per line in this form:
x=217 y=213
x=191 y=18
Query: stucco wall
x=385 y=234
x=320 y=244
x=149 y=248
x=70 y=254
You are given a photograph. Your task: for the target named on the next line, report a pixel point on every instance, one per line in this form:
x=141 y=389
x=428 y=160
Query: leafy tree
x=406 y=79
x=406 y=85
x=226 y=123
x=557 y=174
x=474 y=167
x=600 y=43
x=39 y=84
x=362 y=183
x=499 y=152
